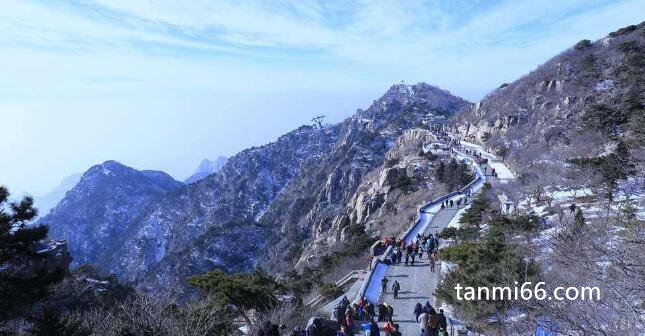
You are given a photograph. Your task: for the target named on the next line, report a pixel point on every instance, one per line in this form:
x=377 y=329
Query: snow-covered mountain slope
x=98 y=213
x=207 y=167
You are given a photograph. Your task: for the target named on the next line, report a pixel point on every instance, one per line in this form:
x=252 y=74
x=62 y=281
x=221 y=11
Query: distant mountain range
x=46 y=202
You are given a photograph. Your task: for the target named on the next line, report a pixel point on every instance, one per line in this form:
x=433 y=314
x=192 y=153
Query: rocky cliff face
x=212 y=223
x=99 y=212
x=577 y=103
x=309 y=220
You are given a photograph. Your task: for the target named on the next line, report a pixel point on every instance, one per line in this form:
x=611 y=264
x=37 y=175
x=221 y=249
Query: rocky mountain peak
x=207 y=167
x=102 y=206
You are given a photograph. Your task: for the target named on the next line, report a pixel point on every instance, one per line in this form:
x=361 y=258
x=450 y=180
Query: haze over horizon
x=157 y=85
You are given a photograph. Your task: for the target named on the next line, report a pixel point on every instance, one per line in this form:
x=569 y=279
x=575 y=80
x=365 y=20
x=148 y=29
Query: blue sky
x=163 y=84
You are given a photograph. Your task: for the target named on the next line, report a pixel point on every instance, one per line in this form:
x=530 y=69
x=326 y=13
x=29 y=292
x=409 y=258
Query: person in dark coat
x=418 y=309
x=433 y=324
x=390 y=311
x=396 y=287
x=374 y=329
x=381 y=312
x=443 y=322
x=384 y=285
x=339 y=314
x=428 y=308
x=344 y=302
x=396 y=331
x=370 y=311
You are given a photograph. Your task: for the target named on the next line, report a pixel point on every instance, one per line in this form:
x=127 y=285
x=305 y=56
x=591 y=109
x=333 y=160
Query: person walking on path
x=374 y=329
x=349 y=319
x=396 y=287
x=392 y=258
x=418 y=309
x=432 y=263
x=423 y=321
x=369 y=309
x=382 y=312
x=452 y=203
x=384 y=285
x=388 y=328
x=429 y=309
x=390 y=311
x=413 y=256
x=443 y=322
x=407 y=258
x=396 y=331
x=433 y=324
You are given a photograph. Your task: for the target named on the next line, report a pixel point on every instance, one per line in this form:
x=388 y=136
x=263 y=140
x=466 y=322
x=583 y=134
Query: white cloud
x=103 y=55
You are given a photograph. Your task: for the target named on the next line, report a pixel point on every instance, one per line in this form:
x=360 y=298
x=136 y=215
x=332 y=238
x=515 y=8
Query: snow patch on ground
x=565 y=195
x=604 y=85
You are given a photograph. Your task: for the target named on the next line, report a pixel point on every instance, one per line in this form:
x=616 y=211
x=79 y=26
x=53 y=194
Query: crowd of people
x=408 y=253
x=346 y=313
x=430 y=322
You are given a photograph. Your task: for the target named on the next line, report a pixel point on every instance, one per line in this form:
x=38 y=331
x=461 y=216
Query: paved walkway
x=418 y=283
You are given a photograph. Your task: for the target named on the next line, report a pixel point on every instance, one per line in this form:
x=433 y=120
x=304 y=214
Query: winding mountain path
x=418 y=283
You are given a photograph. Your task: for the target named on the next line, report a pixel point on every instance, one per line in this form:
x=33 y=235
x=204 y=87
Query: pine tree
x=617 y=166
x=578 y=222
x=440 y=173
x=18 y=244
x=252 y=291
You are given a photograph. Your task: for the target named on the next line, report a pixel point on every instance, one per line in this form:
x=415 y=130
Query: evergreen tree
x=240 y=290
x=452 y=174
x=617 y=166
x=440 y=173
x=465 y=175
x=18 y=249
x=473 y=215
x=578 y=222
